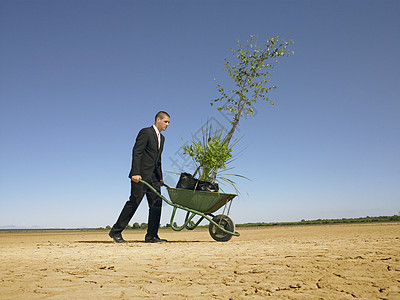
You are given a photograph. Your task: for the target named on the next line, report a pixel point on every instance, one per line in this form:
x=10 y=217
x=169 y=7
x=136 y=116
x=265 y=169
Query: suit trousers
x=138 y=190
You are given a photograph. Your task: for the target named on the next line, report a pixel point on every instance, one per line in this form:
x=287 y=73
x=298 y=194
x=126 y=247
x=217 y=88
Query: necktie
x=159 y=140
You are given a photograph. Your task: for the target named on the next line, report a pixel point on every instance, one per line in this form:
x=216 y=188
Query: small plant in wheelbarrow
x=211 y=156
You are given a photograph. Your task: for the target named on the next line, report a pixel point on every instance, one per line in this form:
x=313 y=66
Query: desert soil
x=359 y=261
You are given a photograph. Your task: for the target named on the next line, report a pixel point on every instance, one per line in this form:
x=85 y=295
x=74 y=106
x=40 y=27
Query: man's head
x=162 y=120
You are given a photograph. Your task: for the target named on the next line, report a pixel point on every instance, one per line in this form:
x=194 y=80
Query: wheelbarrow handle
x=154 y=190
x=164 y=184
x=149 y=186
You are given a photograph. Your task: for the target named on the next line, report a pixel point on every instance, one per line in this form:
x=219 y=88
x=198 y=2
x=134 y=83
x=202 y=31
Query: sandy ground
x=301 y=262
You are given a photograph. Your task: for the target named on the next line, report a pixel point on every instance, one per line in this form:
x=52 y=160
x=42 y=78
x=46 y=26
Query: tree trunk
x=231 y=132
x=235 y=123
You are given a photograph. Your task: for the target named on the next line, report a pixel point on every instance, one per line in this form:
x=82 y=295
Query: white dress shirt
x=158 y=136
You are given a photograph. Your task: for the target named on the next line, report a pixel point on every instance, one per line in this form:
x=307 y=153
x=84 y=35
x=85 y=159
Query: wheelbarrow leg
x=191 y=225
x=187 y=220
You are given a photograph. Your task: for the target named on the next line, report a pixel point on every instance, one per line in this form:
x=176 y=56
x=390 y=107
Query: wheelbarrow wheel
x=225 y=222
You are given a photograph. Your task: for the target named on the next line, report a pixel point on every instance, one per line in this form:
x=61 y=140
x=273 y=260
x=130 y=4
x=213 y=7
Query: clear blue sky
x=79 y=79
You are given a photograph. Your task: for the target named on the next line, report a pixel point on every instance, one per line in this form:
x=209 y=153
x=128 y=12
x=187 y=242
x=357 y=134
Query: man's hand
x=136 y=178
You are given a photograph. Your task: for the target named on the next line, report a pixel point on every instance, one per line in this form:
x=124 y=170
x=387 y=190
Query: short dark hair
x=161 y=115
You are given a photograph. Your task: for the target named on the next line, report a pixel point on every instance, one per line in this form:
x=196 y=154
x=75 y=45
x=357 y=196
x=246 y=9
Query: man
x=146 y=165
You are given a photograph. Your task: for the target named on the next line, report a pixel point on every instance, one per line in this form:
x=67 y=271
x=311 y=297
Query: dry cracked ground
x=358 y=261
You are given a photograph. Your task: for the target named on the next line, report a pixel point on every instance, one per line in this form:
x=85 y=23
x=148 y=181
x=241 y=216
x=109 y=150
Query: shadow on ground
x=137 y=242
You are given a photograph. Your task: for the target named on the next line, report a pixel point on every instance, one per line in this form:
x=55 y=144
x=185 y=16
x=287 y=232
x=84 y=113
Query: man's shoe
x=117 y=237
x=155 y=239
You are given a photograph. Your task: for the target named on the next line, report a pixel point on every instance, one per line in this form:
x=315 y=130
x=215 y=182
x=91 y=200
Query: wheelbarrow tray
x=205 y=202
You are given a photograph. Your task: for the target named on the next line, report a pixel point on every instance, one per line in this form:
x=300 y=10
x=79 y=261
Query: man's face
x=162 y=124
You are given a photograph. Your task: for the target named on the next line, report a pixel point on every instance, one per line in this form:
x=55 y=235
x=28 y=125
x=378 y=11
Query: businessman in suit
x=146 y=165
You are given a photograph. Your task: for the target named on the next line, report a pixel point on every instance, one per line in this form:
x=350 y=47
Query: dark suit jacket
x=146 y=157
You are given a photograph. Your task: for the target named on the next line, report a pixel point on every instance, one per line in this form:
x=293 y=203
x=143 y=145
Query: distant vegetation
x=395 y=218
x=135 y=226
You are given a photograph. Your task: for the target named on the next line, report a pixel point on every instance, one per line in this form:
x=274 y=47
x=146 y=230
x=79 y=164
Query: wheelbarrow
x=203 y=204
